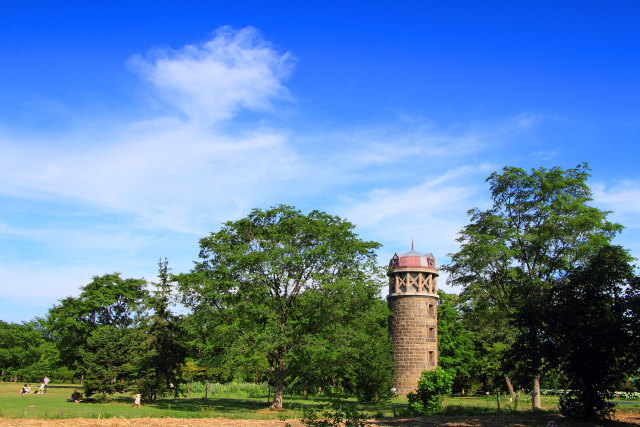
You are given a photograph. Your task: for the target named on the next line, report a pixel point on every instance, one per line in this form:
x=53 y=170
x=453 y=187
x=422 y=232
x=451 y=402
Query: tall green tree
x=487 y=319
x=371 y=367
x=355 y=356
x=108 y=300
x=456 y=350
x=594 y=342
x=162 y=350
x=540 y=226
x=276 y=279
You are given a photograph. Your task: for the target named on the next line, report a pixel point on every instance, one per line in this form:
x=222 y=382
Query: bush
x=587 y=406
x=432 y=388
x=340 y=414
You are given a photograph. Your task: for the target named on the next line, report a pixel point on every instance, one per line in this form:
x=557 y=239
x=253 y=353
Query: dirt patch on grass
x=621 y=420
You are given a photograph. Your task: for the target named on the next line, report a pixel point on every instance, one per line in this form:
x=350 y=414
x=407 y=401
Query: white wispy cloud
x=49 y=284
x=213 y=80
x=622 y=198
x=169 y=172
x=431 y=212
x=175 y=176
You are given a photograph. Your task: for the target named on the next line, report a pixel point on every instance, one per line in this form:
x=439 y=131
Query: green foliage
x=587 y=405
x=370 y=367
x=593 y=313
x=456 y=351
x=107 y=358
x=232 y=389
x=21 y=348
x=433 y=387
x=161 y=351
x=266 y=285
x=538 y=229
x=107 y=300
x=354 y=358
x=338 y=414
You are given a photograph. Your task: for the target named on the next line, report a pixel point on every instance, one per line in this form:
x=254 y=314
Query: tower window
x=431 y=357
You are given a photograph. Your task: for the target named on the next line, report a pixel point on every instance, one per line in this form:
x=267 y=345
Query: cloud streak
x=212 y=81
x=622 y=198
x=169 y=172
x=144 y=188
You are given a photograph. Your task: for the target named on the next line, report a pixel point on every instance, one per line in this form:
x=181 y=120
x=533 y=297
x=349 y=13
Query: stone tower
x=413 y=298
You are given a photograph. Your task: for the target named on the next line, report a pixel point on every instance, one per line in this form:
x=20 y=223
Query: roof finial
x=412 y=244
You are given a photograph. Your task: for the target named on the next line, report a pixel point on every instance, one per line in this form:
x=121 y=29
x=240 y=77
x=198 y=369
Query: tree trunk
x=278 y=387
x=509 y=386
x=535 y=393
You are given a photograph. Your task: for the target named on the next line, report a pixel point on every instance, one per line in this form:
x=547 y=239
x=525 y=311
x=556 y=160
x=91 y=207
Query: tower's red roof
x=413 y=259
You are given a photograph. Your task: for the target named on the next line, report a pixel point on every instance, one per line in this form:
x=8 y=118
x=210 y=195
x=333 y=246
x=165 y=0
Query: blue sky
x=129 y=130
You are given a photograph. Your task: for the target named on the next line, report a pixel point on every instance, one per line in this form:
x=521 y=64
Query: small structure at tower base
x=413 y=299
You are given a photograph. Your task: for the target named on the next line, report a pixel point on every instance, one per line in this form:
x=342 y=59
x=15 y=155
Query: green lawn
x=54 y=405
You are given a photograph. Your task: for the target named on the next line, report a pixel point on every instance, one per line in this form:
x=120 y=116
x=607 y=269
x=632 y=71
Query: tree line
x=294 y=300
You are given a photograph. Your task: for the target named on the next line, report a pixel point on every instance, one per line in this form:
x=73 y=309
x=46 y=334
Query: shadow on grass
x=258 y=408
x=235 y=404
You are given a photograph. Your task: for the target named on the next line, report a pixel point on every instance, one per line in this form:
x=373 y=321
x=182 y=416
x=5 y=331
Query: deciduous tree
x=277 y=278
x=456 y=351
x=19 y=345
x=540 y=226
x=107 y=300
x=594 y=343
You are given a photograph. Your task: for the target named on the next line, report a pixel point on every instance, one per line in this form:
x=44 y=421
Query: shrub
x=340 y=414
x=587 y=406
x=432 y=388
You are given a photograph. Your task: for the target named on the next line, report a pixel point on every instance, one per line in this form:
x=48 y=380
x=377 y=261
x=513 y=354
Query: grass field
x=54 y=405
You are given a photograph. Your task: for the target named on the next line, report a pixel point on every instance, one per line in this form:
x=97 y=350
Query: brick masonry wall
x=410 y=327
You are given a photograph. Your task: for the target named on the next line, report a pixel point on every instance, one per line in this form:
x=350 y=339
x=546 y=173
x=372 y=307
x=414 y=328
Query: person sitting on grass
x=75 y=397
x=41 y=389
x=25 y=389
